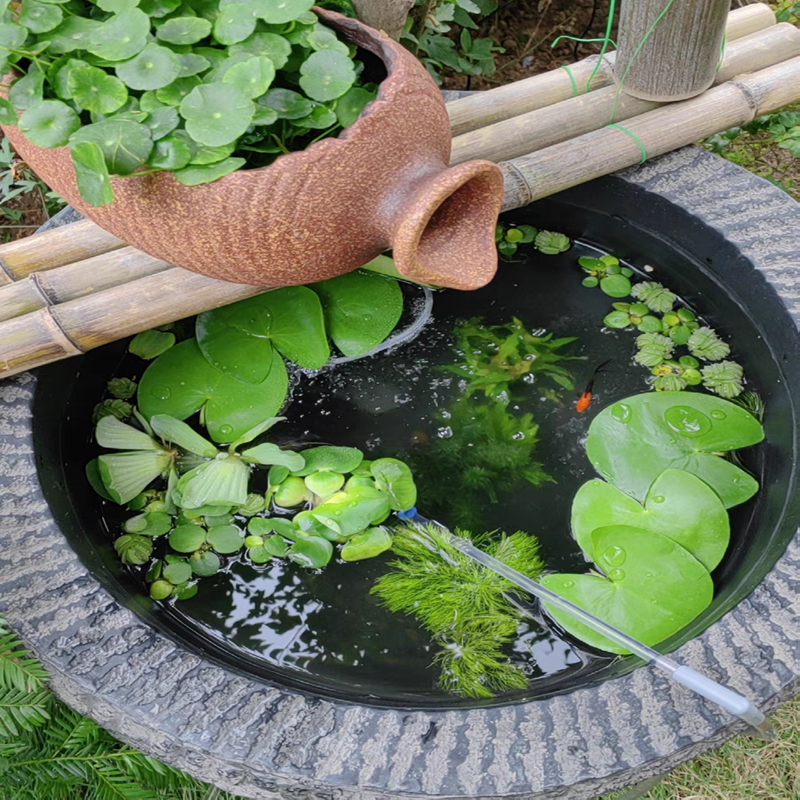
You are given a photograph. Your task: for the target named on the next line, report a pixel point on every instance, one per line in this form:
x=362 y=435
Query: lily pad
x=659 y=588
x=239 y=337
x=361 y=310
x=678 y=505
x=226 y=539
x=335 y=459
x=181 y=382
x=632 y=442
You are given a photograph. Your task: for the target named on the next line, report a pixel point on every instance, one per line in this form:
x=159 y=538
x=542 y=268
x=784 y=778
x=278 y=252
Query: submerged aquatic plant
x=463 y=605
x=488 y=451
x=496 y=356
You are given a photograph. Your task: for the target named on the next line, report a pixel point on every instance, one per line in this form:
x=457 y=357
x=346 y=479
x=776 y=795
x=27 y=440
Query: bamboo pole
x=609 y=149
x=669 y=53
x=57 y=332
x=539 y=91
x=578 y=115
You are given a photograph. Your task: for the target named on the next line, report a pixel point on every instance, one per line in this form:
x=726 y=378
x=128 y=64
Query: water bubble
x=445 y=432
x=226 y=430
x=621 y=413
x=687 y=421
x=615 y=555
x=446 y=415
x=529 y=378
x=736 y=479
x=161 y=392
x=616 y=574
x=567 y=584
x=648 y=574
x=659 y=498
x=654 y=601
x=716 y=414
x=518 y=436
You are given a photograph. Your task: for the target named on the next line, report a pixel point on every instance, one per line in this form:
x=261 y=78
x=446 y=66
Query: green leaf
x=654 y=296
x=95 y=90
x=361 y=310
x=678 y=505
x=72 y=34
x=184 y=30
x=151 y=523
x=724 y=379
x=162 y=121
x=153 y=68
x=195 y=175
x=659 y=589
x=292 y=492
x=324 y=483
x=615 y=285
x=394 y=478
x=177 y=91
x=226 y=539
x=632 y=442
x=351 y=104
x=216 y=114
x=121 y=37
x=551 y=243
x=278 y=12
x=8 y=114
x=704 y=343
x=335 y=459
x=187 y=538
x=173 y=431
x=170 y=153
x=28 y=91
x=181 y=382
x=134 y=549
x=151 y=344
x=311 y=552
x=324 y=39
x=91 y=174
x=271 y=45
x=222 y=481
x=617 y=319
x=96 y=481
x=275 y=546
x=256 y=431
x=252 y=77
x=368 y=544
x=116 y=435
x=49 y=124
x=205 y=564
x=287 y=104
x=125 y=145
x=239 y=337
x=12 y=36
x=270 y=454
x=178 y=572
x=353 y=511
x=40 y=17
x=127 y=474
x=236 y=21
x=327 y=74
x=22 y=711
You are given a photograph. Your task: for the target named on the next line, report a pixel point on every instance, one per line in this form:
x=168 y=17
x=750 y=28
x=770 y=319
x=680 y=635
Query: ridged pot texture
x=324 y=211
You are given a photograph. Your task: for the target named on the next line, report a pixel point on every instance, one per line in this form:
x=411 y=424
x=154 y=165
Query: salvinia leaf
x=116 y=435
x=222 y=481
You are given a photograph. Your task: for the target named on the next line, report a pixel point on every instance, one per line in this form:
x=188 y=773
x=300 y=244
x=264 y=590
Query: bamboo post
x=669 y=52
x=539 y=91
x=57 y=332
x=609 y=149
x=578 y=115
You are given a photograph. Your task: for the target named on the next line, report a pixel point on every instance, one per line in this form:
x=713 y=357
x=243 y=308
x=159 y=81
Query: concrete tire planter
x=263 y=741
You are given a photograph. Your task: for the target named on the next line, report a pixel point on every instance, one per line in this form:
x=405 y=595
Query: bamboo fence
x=120 y=291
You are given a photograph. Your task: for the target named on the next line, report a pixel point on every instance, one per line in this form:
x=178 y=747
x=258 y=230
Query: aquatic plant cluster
x=199 y=90
x=657 y=524
x=509 y=237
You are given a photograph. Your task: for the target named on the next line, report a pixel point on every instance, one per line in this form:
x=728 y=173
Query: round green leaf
x=351 y=104
x=161 y=590
x=216 y=114
x=678 y=505
x=187 y=538
x=311 y=552
x=159 y=8
x=40 y=17
x=287 y=104
x=49 y=124
x=649 y=324
x=271 y=45
x=177 y=572
x=633 y=441
x=327 y=74
x=95 y=90
x=177 y=91
x=236 y=21
x=361 y=310
x=170 y=153
x=616 y=285
x=277 y=12
x=204 y=564
x=334 y=459
x=368 y=544
x=126 y=145
x=59 y=73
x=617 y=319
x=28 y=90
x=394 y=479
x=195 y=175
x=259 y=526
x=324 y=483
x=8 y=114
x=153 y=68
x=184 y=30
x=121 y=37
x=292 y=492
x=275 y=546
x=226 y=539
x=259 y=554
x=181 y=382
x=72 y=34
x=658 y=590
x=91 y=173
x=162 y=121
x=252 y=77
x=12 y=36
x=324 y=39
x=192 y=64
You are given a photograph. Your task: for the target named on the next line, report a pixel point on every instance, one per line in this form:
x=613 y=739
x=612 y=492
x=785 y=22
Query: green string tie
x=572 y=80
x=635 y=139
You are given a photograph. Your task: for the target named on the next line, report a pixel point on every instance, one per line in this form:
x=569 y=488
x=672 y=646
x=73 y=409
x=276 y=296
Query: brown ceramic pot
x=383 y=183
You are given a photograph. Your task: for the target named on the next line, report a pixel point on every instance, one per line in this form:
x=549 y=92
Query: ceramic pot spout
x=443 y=231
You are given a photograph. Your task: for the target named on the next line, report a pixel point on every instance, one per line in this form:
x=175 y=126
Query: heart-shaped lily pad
x=239 y=337
x=678 y=505
x=181 y=382
x=632 y=442
x=654 y=587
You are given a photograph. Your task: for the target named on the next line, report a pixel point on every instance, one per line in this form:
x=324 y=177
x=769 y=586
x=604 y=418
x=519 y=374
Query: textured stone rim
x=254 y=739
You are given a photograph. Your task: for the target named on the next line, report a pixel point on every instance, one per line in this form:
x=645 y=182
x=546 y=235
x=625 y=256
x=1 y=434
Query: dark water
x=326 y=625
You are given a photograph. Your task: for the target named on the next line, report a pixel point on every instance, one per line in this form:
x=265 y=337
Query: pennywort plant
x=135 y=87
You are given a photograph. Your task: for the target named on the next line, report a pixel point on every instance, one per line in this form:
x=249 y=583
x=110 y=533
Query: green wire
x=606 y=41
x=635 y=139
x=572 y=79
